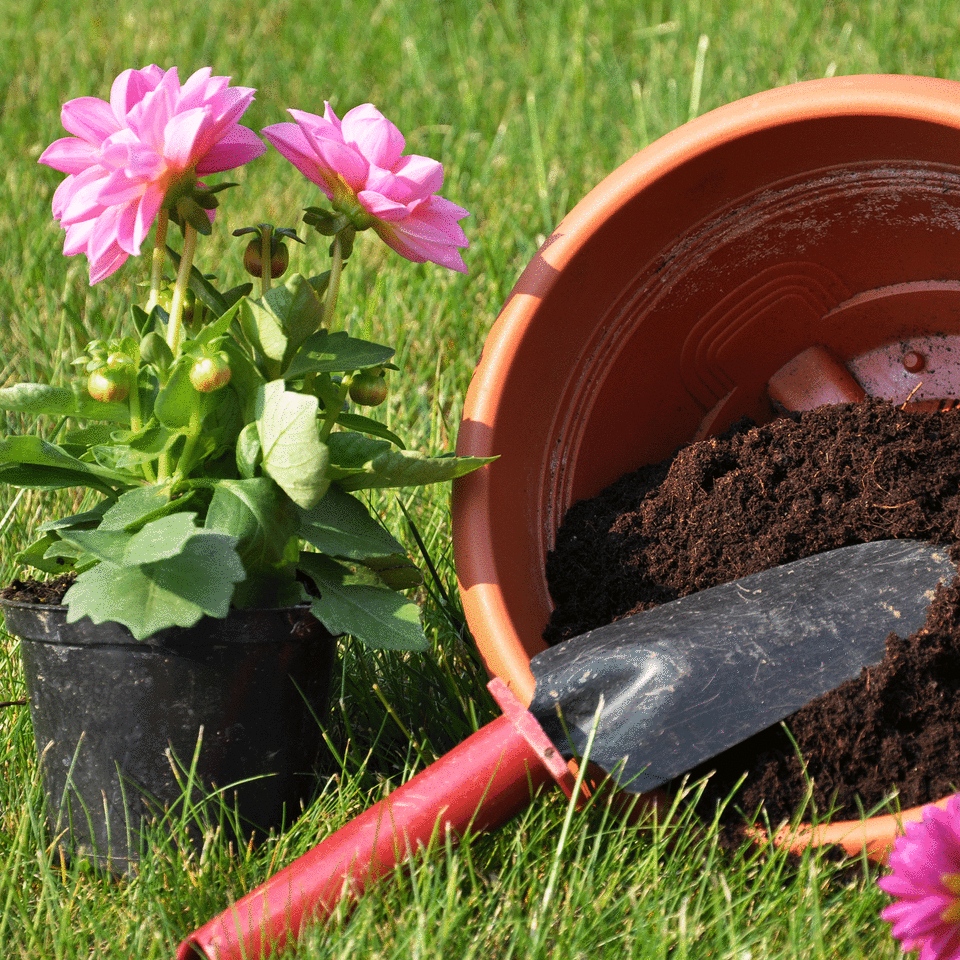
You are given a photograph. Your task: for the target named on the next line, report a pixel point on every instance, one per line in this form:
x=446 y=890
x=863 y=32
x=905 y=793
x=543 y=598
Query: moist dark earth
x=759 y=496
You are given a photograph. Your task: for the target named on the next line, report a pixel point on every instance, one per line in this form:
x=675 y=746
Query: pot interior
x=795 y=248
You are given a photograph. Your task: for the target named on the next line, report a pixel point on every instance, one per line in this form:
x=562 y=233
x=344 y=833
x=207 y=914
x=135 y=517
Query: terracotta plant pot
x=796 y=247
x=122 y=724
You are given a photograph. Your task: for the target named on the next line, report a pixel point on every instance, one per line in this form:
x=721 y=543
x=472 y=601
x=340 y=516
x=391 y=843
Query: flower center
x=952 y=883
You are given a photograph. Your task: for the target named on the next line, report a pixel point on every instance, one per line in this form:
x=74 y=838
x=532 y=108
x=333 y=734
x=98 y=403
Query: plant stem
x=158 y=259
x=196 y=421
x=329 y=305
x=175 y=327
x=266 y=244
x=333 y=287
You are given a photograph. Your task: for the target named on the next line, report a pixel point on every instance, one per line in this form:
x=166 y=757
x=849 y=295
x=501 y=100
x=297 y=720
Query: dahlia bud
x=253 y=258
x=108 y=385
x=210 y=373
x=369 y=388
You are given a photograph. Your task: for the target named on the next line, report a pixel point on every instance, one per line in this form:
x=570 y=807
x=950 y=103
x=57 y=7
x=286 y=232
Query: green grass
x=528 y=105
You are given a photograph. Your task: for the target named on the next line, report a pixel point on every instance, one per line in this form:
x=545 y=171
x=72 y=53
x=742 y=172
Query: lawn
x=528 y=105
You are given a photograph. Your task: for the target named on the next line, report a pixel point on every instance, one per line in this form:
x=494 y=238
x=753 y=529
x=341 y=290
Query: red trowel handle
x=479 y=785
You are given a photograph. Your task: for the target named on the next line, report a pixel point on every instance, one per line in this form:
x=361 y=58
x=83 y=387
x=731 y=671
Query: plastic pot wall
x=120 y=723
x=798 y=246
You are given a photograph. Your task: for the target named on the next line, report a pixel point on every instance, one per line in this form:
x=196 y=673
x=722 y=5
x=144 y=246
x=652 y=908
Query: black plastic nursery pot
x=123 y=726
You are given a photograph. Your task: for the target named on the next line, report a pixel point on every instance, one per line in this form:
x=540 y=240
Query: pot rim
x=45 y=623
x=505 y=645
x=20 y=604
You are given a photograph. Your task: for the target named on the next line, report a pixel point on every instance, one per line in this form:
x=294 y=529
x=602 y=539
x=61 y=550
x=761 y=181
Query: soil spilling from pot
x=759 y=496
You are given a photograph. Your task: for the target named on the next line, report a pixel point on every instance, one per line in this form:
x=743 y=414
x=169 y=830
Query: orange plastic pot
x=796 y=247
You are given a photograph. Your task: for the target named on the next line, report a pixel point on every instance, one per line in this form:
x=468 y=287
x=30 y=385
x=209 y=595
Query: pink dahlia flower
x=359 y=164
x=925 y=883
x=152 y=140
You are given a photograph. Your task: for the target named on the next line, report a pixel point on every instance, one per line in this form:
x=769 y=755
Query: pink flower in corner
x=359 y=164
x=153 y=139
x=925 y=883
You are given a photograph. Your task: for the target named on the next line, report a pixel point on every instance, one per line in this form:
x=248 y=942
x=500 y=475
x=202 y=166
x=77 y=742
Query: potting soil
x=759 y=496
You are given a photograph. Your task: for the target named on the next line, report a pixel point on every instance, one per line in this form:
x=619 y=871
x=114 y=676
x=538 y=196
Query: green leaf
x=397 y=571
x=263 y=328
x=404 y=468
x=142 y=320
x=361 y=424
x=353 y=450
x=97 y=434
x=161 y=539
x=320 y=284
x=341 y=526
x=34 y=463
x=150 y=442
x=172 y=591
x=245 y=378
x=42 y=400
x=325 y=352
x=292 y=451
x=373 y=613
x=87 y=520
x=248 y=451
x=298 y=308
x=48 y=555
x=174 y=404
x=137 y=507
x=258 y=516
x=213 y=332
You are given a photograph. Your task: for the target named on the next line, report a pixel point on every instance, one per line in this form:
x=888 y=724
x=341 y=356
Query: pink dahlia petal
x=229 y=105
x=69 y=155
x=180 y=138
x=335 y=159
x=118 y=188
x=62 y=195
x=89 y=118
x=420 y=251
x=422 y=175
x=401 y=186
x=897 y=886
x=146 y=213
x=126 y=227
x=106 y=264
x=341 y=162
x=103 y=251
x=383 y=207
x=374 y=136
x=148 y=119
x=77 y=238
x=84 y=200
x=437 y=218
x=131 y=87
x=319 y=128
x=942 y=945
x=293 y=144
x=197 y=87
x=329 y=115
x=236 y=148
x=324 y=161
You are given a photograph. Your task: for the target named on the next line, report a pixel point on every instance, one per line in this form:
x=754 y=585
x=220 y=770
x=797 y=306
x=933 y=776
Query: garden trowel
x=654 y=695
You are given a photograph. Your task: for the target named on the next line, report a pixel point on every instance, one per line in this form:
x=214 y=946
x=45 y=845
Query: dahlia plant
x=225 y=433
